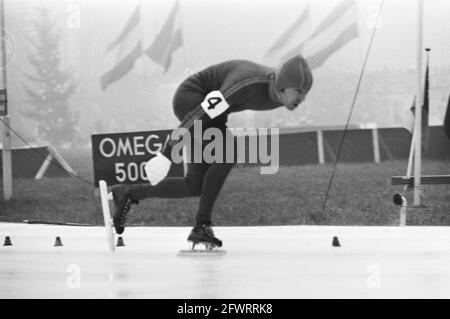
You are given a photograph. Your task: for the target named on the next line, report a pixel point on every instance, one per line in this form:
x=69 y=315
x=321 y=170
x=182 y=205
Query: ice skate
x=204 y=234
x=122 y=201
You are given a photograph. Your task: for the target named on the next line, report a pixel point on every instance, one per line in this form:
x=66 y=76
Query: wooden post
x=403 y=212
x=185 y=161
x=320 y=147
x=376 y=145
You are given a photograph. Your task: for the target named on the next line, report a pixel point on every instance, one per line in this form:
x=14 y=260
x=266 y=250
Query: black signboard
x=121 y=157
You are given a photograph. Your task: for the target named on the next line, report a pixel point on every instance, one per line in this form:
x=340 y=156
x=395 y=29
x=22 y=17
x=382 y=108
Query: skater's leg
x=212 y=184
x=174 y=187
x=126 y=195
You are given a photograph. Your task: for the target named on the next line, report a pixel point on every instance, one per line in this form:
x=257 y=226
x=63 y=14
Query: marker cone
x=58 y=242
x=120 y=242
x=7 y=241
x=336 y=242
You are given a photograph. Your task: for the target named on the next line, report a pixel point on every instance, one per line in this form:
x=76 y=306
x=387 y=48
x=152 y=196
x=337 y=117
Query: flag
x=337 y=29
x=123 y=51
x=447 y=119
x=167 y=41
x=319 y=57
x=425 y=111
x=289 y=34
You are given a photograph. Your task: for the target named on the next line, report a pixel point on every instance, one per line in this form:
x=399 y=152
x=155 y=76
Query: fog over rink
x=261 y=262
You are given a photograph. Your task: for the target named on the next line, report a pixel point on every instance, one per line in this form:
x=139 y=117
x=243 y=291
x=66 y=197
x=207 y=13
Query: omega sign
x=120 y=158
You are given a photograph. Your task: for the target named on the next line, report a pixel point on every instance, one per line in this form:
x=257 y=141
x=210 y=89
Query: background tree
x=49 y=86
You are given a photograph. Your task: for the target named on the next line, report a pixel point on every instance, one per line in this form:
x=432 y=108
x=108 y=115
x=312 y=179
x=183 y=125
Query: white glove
x=157 y=168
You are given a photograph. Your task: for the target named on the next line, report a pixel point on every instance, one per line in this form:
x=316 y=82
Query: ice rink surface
x=260 y=262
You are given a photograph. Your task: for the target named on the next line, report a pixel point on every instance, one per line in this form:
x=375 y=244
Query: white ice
x=260 y=262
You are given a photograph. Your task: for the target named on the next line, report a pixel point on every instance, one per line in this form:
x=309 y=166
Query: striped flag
x=167 y=41
x=337 y=29
x=447 y=119
x=425 y=111
x=285 y=39
x=123 y=51
x=318 y=58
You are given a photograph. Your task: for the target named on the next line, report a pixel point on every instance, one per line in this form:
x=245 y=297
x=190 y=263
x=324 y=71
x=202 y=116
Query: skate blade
x=201 y=253
x=208 y=250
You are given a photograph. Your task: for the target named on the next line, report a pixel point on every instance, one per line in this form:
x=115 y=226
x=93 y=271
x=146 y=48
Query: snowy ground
x=260 y=262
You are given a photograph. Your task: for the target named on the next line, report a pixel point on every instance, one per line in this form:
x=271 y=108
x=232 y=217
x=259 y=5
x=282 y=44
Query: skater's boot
x=204 y=234
x=122 y=202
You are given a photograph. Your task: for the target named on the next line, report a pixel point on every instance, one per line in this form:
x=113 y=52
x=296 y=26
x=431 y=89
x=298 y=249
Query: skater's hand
x=157 y=168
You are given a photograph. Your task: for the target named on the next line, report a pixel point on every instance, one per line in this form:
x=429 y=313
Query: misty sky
x=246 y=28
x=218 y=30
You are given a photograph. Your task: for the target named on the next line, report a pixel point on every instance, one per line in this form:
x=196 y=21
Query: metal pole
x=418 y=113
x=3 y=84
x=6 y=135
x=7 y=164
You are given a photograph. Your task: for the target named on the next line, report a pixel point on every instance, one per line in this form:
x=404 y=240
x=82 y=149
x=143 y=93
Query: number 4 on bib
x=214 y=104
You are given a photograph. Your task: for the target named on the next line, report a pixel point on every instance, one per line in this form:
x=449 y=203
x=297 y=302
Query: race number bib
x=214 y=104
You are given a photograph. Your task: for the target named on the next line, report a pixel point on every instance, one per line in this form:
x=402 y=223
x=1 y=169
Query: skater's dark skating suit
x=245 y=86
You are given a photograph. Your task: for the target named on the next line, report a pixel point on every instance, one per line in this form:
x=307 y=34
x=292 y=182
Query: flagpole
x=418 y=112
